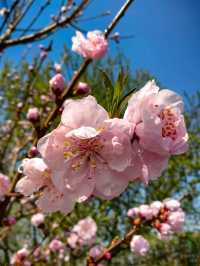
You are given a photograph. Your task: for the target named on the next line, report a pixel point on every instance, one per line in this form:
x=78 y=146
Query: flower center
x=83 y=150
x=169 y=126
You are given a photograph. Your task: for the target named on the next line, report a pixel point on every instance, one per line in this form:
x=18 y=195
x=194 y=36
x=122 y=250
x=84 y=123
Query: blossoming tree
x=72 y=153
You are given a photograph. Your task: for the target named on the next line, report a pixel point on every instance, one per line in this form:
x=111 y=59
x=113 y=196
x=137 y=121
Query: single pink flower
x=133 y=212
x=94 y=46
x=73 y=240
x=146 y=212
x=165 y=231
x=139 y=245
x=86 y=230
x=38 y=176
x=20 y=258
x=37 y=219
x=172 y=204
x=96 y=251
x=4 y=185
x=156 y=206
x=56 y=245
x=158 y=120
x=176 y=220
x=93 y=153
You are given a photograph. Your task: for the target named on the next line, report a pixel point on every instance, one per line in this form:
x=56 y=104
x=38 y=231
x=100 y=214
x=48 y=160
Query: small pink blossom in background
x=165 y=231
x=172 y=204
x=94 y=46
x=156 y=206
x=37 y=219
x=83 y=233
x=4 y=185
x=82 y=88
x=33 y=114
x=57 y=84
x=20 y=258
x=37 y=176
x=86 y=229
x=146 y=212
x=139 y=245
x=96 y=251
x=133 y=212
x=176 y=220
x=56 y=245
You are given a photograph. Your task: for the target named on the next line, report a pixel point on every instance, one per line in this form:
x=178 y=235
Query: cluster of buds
x=166 y=217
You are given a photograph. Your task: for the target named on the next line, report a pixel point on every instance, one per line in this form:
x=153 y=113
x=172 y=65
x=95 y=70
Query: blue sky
x=166 y=38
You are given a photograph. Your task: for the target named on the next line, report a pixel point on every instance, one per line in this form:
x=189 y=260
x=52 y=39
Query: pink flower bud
x=156 y=207
x=132 y=213
x=107 y=256
x=139 y=245
x=37 y=219
x=33 y=114
x=82 y=89
x=57 y=84
x=146 y=212
x=172 y=204
x=33 y=151
x=176 y=220
x=96 y=251
x=165 y=231
x=56 y=245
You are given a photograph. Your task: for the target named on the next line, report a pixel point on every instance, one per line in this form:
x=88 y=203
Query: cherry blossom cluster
x=165 y=217
x=90 y=153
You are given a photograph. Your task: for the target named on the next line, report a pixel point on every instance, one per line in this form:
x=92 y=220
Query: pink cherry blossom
x=20 y=258
x=33 y=114
x=56 y=245
x=176 y=220
x=159 y=121
x=37 y=176
x=96 y=251
x=133 y=212
x=4 y=185
x=156 y=206
x=37 y=219
x=93 y=153
x=94 y=46
x=146 y=212
x=172 y=204
x=86 y=230
x=73 y=240
x=165 y=231
x=139 y=245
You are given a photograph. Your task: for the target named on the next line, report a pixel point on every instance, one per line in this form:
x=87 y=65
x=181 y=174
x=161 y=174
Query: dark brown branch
x=45 y=31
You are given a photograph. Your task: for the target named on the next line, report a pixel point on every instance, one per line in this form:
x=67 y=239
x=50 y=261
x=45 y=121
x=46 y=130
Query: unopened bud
x=33 y=151
x=57 y=84
x=107 y=256
x=33 y=114
x=82 y=89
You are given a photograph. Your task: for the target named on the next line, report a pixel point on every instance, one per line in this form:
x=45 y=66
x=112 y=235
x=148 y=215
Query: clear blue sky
x=166 y=38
